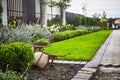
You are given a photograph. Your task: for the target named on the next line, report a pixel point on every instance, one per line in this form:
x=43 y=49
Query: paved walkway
x=111 y=59
x=107 y=59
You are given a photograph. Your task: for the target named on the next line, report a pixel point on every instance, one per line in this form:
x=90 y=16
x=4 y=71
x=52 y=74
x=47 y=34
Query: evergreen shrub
x=42 y=41
x=17 y=56
x=68 y=34
x=9 y=75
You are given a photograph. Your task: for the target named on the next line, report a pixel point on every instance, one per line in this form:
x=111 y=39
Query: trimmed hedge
x=69 y=34
x=17 y=56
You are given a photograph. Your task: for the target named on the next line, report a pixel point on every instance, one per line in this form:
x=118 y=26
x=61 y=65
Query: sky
x=111 y=7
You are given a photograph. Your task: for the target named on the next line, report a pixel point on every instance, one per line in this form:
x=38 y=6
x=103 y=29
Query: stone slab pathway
x=111 y=58
x=107 y=59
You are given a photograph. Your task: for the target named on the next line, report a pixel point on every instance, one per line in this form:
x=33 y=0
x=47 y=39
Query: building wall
x=27 y=10
x=21 y=9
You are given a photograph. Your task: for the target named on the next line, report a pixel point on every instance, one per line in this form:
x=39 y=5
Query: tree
x=76 y=21
x=63 y=4
x=51 y=4
x=41 y=3
x=95 y=18
x=103 y=21
x=104 y=15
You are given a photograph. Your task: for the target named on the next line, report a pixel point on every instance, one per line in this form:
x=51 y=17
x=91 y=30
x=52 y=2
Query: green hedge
x=68 y=34
x=16 y=56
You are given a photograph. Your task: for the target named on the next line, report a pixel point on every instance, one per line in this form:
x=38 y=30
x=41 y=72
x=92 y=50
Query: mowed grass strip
x=81 y=48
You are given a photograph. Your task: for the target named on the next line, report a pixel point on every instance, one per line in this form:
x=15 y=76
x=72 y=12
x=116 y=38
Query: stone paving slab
x=109 y=69
x=89 y=69
x=78 y=79
x=82 y=76
x=112 y=54
x=111 y=58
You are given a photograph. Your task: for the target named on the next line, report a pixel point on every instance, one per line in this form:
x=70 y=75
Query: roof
x=117 y=21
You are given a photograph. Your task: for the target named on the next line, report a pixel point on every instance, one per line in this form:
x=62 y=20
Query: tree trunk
x=41 y=14
x=51 y=11
x=61 y=15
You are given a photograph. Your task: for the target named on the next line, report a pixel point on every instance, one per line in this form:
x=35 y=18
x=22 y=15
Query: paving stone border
x=69 y=62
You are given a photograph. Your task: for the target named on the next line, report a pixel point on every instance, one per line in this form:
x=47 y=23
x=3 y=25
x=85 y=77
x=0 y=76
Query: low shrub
x=42 y=41
x=68 y=34
x=60 y=28
x=23 y=33
x=9 y=75
x=16 y=56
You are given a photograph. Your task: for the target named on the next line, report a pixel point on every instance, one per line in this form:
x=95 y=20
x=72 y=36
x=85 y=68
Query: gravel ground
x=107 y=76
x=58 y=72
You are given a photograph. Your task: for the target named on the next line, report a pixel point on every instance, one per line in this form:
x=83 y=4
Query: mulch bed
x=58 y=72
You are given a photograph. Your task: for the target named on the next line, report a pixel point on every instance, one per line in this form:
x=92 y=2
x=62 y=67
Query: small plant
x=60 y=28
x=16 y=56
x=9 y=75
x=13 y=22
x=42 y=41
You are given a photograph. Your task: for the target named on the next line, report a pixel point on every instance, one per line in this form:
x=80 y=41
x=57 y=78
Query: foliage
x=103 y=23
x=16 y=56
x=76 y=21
x=68 y=34
x=79 y=48
x=23 y=33
x=42 y=41
x=62 y=4
x=95 y=19
x=13 y=22
x=58 y=28
x=52 y=4
x=85 y=21
x=59 y=36
x=9 y=75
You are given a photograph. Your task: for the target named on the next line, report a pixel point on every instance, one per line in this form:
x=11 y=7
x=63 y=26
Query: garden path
x=111 y=59
x=107 y=59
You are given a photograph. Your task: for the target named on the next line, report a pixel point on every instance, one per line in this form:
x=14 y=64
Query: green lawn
x=79 y=48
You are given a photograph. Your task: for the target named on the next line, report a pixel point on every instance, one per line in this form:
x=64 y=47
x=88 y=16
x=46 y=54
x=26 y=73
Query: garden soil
x=58 y=72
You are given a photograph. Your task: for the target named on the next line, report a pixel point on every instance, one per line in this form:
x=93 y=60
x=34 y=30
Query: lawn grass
x=80 y=48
